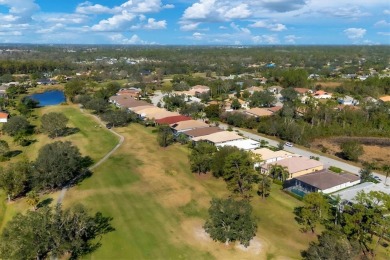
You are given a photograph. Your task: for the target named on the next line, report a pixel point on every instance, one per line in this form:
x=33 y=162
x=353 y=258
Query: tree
x=295 y=78
x=262 y=99
x=201 y=157
x=314 y=211
x=57 y=164
x=4 y=148
x=117 y=117
x=230 y=221
x=17 y=125
x=289 y=94
x=366 y=173
x=366 y=217
x=235 y=104
x=15 y=180
x=351 y=150
x=98 y=105
x=54 y=124
x=386 y=170
x=33 y=199
x=246 y=94
x=239 y=173
x=279 y=172
x=332 y=245
x=219 y=159
x=74 y=88
x=264 y=188
x=47 y=233
x=164 y=135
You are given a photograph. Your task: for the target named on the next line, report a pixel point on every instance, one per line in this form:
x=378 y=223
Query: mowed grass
x=158 y=207
x=91 y=139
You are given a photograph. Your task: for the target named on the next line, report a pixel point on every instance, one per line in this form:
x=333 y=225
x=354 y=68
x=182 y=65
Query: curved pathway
x=121 y=140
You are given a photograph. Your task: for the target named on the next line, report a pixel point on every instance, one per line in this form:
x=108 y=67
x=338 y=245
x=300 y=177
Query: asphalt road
x=326 y=160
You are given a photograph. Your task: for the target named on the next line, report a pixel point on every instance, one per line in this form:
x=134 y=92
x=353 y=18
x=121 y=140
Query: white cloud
x=155 y=25
x=121 y=39
x=51 y=29
x=382 y=23
x=240 y=11
x=198 y=35
x=387 y=11
x=265 y=39
x=189 y=26
x=118 y=22
x=168 y=6
x=276 y=27
x=88 y=8
x=141 y=6
x=240 y=29
x=20 y=11
x=355 y=33
x=291 y=39
x=64 y=18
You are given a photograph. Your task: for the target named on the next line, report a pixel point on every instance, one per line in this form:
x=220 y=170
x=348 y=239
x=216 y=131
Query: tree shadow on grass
x=11 y=154
x=70 y=131
x=45 y=203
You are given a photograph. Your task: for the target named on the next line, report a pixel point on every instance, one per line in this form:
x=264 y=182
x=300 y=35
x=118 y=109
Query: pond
x=49 y=98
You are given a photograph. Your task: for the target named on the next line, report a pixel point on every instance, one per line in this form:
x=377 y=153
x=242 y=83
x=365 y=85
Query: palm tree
x=279 y=172
x=386 y=169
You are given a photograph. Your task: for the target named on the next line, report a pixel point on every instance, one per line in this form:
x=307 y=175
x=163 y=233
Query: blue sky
x=196 y=22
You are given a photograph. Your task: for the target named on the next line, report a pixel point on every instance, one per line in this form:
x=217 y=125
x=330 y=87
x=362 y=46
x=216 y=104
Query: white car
x=288 y=144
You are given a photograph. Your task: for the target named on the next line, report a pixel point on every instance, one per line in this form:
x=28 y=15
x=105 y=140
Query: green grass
x=156 y=203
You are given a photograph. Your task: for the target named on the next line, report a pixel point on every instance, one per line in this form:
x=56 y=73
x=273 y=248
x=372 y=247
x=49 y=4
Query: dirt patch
x=203 y=176
x=254 y=247
x=329 y=84
x=379 y=155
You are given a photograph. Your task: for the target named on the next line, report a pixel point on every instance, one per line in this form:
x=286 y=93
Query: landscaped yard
x=159 y=207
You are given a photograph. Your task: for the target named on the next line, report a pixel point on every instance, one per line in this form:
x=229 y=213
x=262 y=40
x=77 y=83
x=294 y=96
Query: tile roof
x=267 y=154
x=188 y=125
x=385 y=98
x=172 y=119
x=203 y=131
x=259 y=111
x=219 y=137
x=4 y=115
x=128 y=102
x=296 y=164
x=302 y=90
x=326 y=179
x=245 y=144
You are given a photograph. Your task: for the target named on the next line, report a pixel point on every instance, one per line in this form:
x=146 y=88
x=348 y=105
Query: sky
x=196 y=22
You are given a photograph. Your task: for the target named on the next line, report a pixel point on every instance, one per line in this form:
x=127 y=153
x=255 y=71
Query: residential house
x=187 y=125
x=348 y=101
x=199 y=89
x=385 y=99
x=303 y=91
x=218 y=138
x=4 y=117
x=243 y=144
x=155 y=113
x=172 y=119
x=296 y=166
x=320 y=94
x=275 y=89
x=269 y=156
x=132 y=92
x=127 y=102
x=3 y=90
x=253 y=89
x=262 y=111
x=325 y=181
x=202 y=131
x=350 y=193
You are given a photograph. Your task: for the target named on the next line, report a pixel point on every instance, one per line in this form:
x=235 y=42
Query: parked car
x=288 y=144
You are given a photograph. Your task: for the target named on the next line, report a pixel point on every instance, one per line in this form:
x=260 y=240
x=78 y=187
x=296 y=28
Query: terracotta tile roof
x=274 y=109
x=267 y=154
x=326 y=179
x=385 y=98
x=128 y=102
x=4 y=115
x=172 y=119
x=203 y=131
